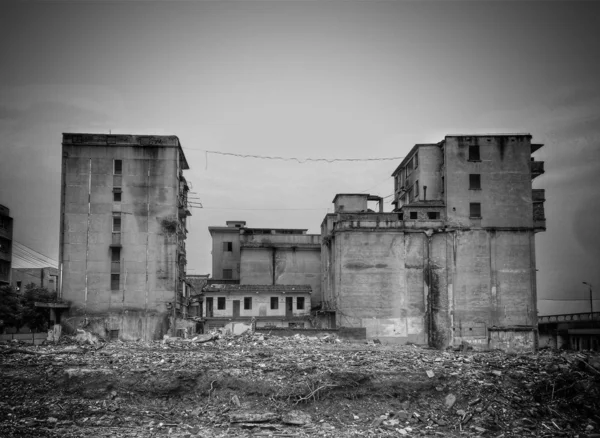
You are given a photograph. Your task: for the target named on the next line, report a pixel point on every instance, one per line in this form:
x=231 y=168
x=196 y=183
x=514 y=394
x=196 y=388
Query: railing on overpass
x=569 y=317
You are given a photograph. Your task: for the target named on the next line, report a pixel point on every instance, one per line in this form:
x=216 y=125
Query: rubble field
x=262 y=385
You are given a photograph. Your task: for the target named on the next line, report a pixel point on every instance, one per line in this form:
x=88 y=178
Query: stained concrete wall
x=277 y=265
x=505 y=194
x=225 y=259
x=431 y=286
x=148 y=266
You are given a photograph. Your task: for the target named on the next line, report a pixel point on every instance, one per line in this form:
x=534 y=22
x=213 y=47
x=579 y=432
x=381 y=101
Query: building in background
x=42 y=277
x=455 y=260
x=122 y=234
x=6 y=236
x=265 y=263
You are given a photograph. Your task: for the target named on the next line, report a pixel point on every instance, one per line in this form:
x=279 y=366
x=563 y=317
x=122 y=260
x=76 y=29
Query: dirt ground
x=260 y=385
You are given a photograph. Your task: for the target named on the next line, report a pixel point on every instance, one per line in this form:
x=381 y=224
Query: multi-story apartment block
x=455 y=260
x=122 y=233
x=6 y=233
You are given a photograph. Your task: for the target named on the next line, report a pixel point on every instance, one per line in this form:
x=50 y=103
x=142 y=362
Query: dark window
x=414 y=215
x=114 y=281
x=443 y=184
x=474 y=153
x=116 y=224
x=221 y=303
x=247 y=303
x=118 y=170
x=115 y=255
x=416 y=159
x=227 y=246
x=114 y=334
x=116 y=196
x=227 y=274
x=300 y=303
x=18 y=286
x=433 y=214
x=400 y=216
x=475 y=181
x=475 y=209
x=274 y=303
x=416 y=189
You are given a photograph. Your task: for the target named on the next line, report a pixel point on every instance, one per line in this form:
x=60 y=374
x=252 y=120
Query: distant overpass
x=575 y=331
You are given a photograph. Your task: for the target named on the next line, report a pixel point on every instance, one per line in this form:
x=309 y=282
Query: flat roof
x=124 y=140
x=492 y=134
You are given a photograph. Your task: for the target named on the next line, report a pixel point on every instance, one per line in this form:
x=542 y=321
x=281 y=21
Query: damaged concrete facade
x=455 y=260
x=267 y=264
x=122 y=234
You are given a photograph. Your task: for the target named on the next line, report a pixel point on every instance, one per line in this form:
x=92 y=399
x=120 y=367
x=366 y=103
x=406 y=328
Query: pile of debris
x=261 y=385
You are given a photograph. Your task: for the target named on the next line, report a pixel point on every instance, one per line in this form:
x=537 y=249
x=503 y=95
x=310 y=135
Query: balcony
x=116 y=240
x=537 y=169
x=183 y=207
x=538 y=197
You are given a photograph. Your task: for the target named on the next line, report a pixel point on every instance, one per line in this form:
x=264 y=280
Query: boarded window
x=227 y=246
x=274 y=303
x=247 y=303
x=221 y=303
x=414 y=215
x=475 y=181
x=227 y=274
x=433 y=214
x=475 y=209
x=114 y=281
x=118 y=168
x=474 y=153
x=116 y=224
x=300 y=303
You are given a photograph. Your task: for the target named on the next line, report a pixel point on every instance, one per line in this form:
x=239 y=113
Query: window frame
x=117 y=223
x=413 y=215
x=474 y=156
x=247 y=303
x=115 y=281
x=221 y=303
x=118 y=171
x=298 y=301
x=227 y=246
x=436 y=215
x=474 y=180
x=274 y=303
x=115 y=250
x=474 y=206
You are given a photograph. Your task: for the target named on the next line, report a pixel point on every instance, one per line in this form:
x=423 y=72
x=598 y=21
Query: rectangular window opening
x=433 y=214
x=116 y=196
x=474 y=181
x=227 y=274
x=118 y=167
x=416 y=189
x=247 y=303
x=274 y=303
x=475 y=210
x=114 y=281
x=300 y=303
x=227 y=246
x=116 y=224
x=414 y=215
x=114 y=335
x=115 y=256
x=221 y=303
x=474 y=153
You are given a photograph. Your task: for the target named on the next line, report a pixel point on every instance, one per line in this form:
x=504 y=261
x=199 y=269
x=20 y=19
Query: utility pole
x=591 y=300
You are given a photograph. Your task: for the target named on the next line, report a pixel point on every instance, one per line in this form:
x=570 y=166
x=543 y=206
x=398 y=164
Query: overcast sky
x=330 y=79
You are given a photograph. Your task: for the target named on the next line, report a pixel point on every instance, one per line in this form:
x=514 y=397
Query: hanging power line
x=296 y=159
x=36 y=252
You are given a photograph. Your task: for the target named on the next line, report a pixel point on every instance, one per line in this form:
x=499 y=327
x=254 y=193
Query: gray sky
x=331 y=79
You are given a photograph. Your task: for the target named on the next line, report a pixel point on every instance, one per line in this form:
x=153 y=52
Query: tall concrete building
x=6 y=233
x=455 y=260
x=122 y=234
